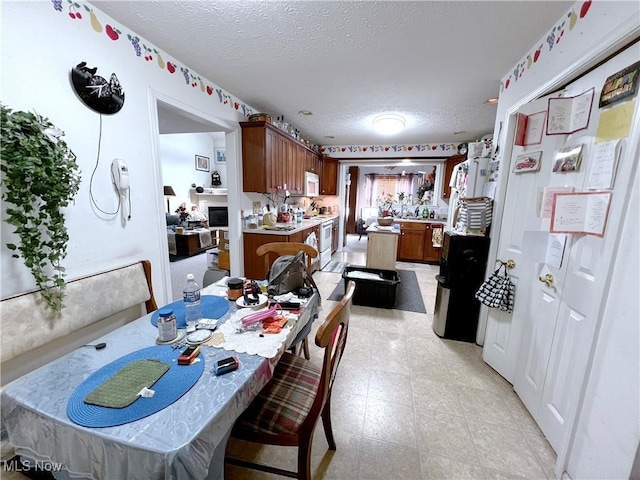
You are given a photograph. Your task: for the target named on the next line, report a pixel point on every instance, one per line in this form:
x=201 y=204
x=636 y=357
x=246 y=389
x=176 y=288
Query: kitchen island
x=382 y=247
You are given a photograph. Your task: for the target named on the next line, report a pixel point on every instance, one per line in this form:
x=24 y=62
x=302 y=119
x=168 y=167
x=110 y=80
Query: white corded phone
x=120 y=173
x=120 y=177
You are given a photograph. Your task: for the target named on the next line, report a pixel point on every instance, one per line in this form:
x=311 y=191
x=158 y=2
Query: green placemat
x=122 y=388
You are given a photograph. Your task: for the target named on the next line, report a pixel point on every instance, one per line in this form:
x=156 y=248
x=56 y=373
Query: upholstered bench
x=33 y=336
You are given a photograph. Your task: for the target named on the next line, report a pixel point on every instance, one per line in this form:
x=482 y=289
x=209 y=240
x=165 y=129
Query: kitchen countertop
x=420 y=220
x=291 y=228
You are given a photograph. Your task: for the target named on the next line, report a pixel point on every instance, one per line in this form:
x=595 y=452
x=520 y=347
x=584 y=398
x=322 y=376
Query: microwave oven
x=311 y=184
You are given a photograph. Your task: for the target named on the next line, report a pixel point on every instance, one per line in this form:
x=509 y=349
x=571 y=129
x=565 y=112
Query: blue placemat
x=169 y=388
x=211 y=305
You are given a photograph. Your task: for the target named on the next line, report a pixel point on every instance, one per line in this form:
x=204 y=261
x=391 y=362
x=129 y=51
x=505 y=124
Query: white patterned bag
x=497 y=291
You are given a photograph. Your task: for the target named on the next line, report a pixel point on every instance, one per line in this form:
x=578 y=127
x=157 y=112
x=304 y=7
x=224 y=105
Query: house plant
x=385 y=212
x=39 y=179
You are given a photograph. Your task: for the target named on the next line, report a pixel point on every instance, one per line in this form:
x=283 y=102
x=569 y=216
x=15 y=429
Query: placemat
x=212 y=307
x=172 y=385
x=121 y=389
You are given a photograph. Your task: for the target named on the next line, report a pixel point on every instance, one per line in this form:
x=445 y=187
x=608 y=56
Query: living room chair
x=287 y=409
x=273 y=250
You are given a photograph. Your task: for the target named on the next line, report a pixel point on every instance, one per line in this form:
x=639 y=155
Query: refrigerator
x=467 y=180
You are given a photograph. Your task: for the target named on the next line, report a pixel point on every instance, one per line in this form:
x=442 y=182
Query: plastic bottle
x=191 y=297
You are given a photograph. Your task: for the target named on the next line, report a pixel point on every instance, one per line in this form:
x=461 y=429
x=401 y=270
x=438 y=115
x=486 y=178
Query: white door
x=505 y=331
x=545 y=345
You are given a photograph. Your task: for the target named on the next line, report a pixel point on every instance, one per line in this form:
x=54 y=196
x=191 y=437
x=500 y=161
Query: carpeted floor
x=408 y=294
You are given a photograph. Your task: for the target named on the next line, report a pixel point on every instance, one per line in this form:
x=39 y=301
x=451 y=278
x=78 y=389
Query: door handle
x=509 y=263
x=547 y=280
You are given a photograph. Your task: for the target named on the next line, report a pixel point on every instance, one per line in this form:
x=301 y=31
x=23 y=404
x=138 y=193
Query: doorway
x=175 y=127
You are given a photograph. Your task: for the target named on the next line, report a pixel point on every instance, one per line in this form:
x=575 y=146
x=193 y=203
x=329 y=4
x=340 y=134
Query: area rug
x=408 y=294
x=334 y=267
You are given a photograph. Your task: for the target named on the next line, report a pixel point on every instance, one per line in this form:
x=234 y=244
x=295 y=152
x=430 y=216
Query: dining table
x=185 y=440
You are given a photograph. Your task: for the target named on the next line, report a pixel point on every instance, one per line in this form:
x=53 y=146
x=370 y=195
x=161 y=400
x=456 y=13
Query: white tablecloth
x=185 y=440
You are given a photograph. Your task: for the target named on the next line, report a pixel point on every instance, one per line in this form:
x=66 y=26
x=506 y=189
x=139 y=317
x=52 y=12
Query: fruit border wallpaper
x=82 y=12
x=555 y=35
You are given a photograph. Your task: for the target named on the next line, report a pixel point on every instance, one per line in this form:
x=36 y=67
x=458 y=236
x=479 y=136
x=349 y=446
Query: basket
x=372 y=292
x=385 y=222
x=260 y=117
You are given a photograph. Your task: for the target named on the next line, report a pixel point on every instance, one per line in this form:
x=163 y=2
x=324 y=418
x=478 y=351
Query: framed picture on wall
x=202 y=163
x=221 y=155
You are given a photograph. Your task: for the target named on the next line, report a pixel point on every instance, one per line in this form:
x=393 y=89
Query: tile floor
x=409 y=405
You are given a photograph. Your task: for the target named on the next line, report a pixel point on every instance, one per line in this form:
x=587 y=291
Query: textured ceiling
x=433 y=62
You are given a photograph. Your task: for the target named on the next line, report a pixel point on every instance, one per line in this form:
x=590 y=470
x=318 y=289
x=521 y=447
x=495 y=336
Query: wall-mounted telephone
x=120 y=173
x=120 y=178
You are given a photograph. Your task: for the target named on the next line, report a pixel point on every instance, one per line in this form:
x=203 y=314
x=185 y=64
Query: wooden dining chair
x=273 y=250
x=287 y=409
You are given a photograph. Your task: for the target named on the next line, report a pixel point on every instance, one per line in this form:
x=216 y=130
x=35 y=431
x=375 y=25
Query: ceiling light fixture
x=388 y=124
x=305 y=113
x=491 y=101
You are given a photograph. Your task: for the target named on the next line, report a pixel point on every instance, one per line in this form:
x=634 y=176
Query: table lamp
x=168 y=192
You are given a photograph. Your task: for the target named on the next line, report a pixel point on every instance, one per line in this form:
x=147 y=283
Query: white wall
x=177 y=155
x=39 y=47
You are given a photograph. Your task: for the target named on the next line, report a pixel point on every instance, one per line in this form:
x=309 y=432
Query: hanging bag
x=289 y=273
x=497 y=291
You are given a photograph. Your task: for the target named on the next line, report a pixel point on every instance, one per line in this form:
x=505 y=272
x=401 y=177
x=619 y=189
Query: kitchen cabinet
x=411 y=242
x=254 y=265
x=449 y=165
x=272 y=159
x=313 y=162
x=329 y=183
x=431 y=252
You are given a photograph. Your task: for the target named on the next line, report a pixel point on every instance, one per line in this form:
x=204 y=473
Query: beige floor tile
x=390 y=422
x=392 y=387
x=504 y=449
x=380 y=460
x=543 y=451
x=339 y=464
x=483 y=405
x=445 y=435
x=347 y=411
x=430 y=396
x=438 y=467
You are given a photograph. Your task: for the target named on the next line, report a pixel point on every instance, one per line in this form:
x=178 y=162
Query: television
x=218 y=216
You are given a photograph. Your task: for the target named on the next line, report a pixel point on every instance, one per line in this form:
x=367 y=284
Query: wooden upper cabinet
x=272 y=159
x=313 y=162
x=449 y=165
x=329 y=185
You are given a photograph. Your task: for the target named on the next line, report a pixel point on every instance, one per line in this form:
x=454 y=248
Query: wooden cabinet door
x=253 y=264
x=411 y=242
x=297 y=170
x=258 y=147
x=450 y=164
x=329 y=176
x=431 y=252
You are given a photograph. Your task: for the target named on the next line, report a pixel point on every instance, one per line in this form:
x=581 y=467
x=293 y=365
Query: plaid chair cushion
x=285 y=401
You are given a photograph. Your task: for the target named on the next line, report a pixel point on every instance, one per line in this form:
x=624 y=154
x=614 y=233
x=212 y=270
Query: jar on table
x=235 y=288
x=167 y=325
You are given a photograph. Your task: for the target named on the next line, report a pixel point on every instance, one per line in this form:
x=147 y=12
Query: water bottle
x=191 y=297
